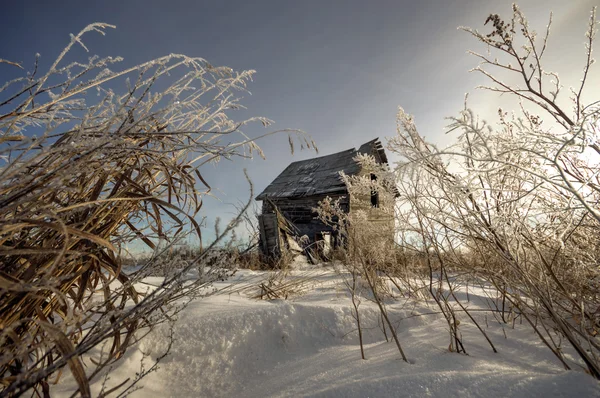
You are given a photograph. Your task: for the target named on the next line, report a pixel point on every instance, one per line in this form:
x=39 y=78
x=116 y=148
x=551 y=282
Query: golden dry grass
x=102 y=172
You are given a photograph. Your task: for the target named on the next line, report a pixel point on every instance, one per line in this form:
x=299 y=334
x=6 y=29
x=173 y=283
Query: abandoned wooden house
x=288 y=202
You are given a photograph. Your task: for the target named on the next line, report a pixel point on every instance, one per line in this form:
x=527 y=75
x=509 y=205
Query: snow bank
x=226 y=350
x=229 y=345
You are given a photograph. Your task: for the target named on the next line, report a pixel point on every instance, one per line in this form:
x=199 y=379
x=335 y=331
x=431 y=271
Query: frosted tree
x=516 y=203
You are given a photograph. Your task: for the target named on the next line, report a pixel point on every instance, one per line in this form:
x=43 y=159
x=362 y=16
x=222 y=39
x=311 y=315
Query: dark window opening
x=374 y=193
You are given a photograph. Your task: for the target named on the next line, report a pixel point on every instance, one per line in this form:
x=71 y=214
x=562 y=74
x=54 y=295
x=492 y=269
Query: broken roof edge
x=371 y=147
x=264 y=196
x=319 y=158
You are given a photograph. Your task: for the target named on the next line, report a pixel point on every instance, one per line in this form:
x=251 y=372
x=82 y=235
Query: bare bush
x=515 y=205
x=367 y=232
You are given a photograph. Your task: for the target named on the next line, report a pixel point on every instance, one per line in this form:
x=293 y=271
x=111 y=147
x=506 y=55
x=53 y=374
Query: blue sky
x=335 y=69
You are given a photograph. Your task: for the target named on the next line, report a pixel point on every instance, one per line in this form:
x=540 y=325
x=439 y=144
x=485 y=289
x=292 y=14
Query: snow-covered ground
x=231 y=345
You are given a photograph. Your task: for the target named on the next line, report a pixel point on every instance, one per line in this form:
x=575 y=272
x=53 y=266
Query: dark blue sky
x=335 y=69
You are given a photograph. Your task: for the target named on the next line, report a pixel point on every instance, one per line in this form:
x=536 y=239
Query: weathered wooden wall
x=270 y=239
x=383 y=215
x=297 y=211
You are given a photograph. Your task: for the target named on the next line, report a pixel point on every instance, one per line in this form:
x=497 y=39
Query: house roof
x=320 y=175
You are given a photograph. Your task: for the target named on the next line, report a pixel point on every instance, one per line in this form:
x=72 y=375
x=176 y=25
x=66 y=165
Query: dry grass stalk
x=84 y=175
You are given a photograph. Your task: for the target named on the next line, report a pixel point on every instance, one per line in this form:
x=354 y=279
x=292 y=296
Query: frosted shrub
x=367 y=232
x=515 y=204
